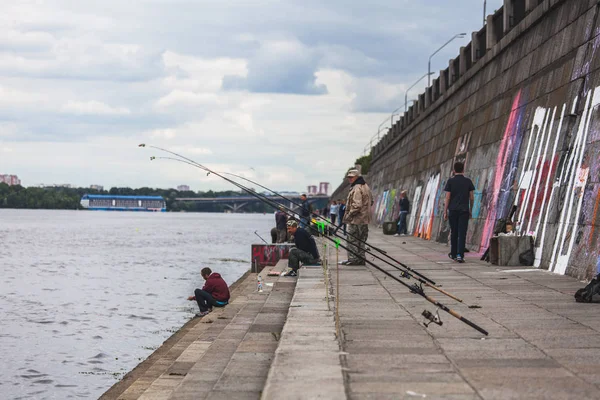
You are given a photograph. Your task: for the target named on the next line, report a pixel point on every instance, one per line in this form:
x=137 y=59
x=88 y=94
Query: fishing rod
x=414 y=288
x=404 y=273
x=273 y=204
x=406 y=267
x=256 y=233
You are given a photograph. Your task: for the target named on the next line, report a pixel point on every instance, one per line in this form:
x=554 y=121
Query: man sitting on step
x=305 y=249
x=214 y=293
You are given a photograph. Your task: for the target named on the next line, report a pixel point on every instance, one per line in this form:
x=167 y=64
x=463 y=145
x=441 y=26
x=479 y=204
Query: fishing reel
x=432 y=318
x=404 y=274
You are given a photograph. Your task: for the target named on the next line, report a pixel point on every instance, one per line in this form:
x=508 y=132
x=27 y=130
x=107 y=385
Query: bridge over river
x=236 y=203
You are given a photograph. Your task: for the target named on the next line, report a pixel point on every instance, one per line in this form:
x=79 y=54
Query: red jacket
x=216 y=286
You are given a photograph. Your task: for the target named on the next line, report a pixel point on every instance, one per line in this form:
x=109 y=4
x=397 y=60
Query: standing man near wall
x=404 y=210
x=358 y=217
x=457 y=208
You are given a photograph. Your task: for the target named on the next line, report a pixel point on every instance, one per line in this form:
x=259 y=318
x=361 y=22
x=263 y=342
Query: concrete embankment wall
x=519 y=106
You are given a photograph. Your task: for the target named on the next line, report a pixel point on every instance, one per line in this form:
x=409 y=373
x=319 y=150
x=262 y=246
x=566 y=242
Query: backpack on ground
x=586 y=295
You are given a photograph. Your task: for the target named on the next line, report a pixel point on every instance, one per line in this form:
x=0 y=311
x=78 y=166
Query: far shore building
x=10 y=180
x=183 y=188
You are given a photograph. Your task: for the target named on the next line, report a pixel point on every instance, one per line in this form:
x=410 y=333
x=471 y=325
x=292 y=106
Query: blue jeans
x=402 y=227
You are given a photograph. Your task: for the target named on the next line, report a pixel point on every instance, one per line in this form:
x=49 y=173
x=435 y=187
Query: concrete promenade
x=225 y=355
x=542 y=345
x=283 y=343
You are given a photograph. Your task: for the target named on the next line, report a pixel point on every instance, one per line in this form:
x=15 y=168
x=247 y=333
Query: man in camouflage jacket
x=358 y=217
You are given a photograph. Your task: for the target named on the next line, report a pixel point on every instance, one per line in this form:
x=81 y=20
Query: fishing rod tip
x=152 y=158
x=142 y=145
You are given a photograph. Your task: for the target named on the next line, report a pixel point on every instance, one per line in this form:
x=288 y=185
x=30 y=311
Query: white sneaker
x=396 y=235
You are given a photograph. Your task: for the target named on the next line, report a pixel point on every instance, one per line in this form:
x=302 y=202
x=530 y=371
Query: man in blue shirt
x=305 y=249
x=457 y=208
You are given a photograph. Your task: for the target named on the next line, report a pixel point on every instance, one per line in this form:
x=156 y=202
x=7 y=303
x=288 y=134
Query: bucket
x=389 y=228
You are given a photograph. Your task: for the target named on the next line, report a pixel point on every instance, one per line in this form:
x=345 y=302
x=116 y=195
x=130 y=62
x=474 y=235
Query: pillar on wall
x=411 y=113
x=474 y=47
x=452 y=71
x=428 y=97
x=443 y=81
x=530 y=5
x=435 y=89
x=402 y=122
x=491 y=38
x=462 y=61
x=416 y=109
x=422 y=105
x=508 y=15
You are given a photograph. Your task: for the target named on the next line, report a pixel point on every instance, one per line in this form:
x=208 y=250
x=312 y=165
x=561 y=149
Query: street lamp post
x=458 y=35
x=407 y=90
x=484 y=7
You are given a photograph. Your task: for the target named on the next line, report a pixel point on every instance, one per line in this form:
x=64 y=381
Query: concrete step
x=224 y=355
x=307 y=360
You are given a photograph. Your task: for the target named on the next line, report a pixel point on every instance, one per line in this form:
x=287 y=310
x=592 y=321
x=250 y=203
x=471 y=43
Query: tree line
x=61 y=198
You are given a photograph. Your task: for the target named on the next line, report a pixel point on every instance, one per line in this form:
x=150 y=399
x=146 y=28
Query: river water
x=86 y=296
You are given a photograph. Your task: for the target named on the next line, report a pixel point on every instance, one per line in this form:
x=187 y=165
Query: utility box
x=505 y=250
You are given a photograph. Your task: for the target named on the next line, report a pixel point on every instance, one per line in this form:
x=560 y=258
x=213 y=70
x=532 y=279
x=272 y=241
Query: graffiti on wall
x=427 y=207
x=414 y=209
x=552 y=180
x=498 y=191
x=269 y=254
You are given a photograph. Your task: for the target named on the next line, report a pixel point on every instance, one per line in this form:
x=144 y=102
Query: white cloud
x=84 y=81
x=163 y=134
x=188 y=99
x=93 y=108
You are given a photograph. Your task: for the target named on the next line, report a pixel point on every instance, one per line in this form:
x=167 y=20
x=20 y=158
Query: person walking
x=457 y=209
x=333 y=211
x=341 y=212
x=358 y=217
x=404 y=210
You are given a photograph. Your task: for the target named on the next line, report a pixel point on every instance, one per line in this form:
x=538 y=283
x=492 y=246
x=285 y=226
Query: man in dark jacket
x=404 y=209
x=457 y=208
x=305 y=250
x=281 y=222
x=304 y=212
x=215 y=292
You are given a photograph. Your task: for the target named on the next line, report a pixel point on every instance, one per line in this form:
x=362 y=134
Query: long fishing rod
x=406 y=267
x=417 y=289
x=276 y=205
x=405 y=274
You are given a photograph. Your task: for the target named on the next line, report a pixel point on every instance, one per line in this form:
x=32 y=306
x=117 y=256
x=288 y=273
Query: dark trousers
x=333 y=217
x=206 y=301
x=459 y=222
x=296 y=256
x=402 y=228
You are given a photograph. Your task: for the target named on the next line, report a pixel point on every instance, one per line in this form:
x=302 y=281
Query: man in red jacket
x=215 y=292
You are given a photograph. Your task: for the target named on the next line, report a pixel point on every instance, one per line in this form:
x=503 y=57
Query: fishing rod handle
x=444 y=292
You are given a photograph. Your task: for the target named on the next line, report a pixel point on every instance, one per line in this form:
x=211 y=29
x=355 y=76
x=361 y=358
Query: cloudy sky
x=285 y=92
